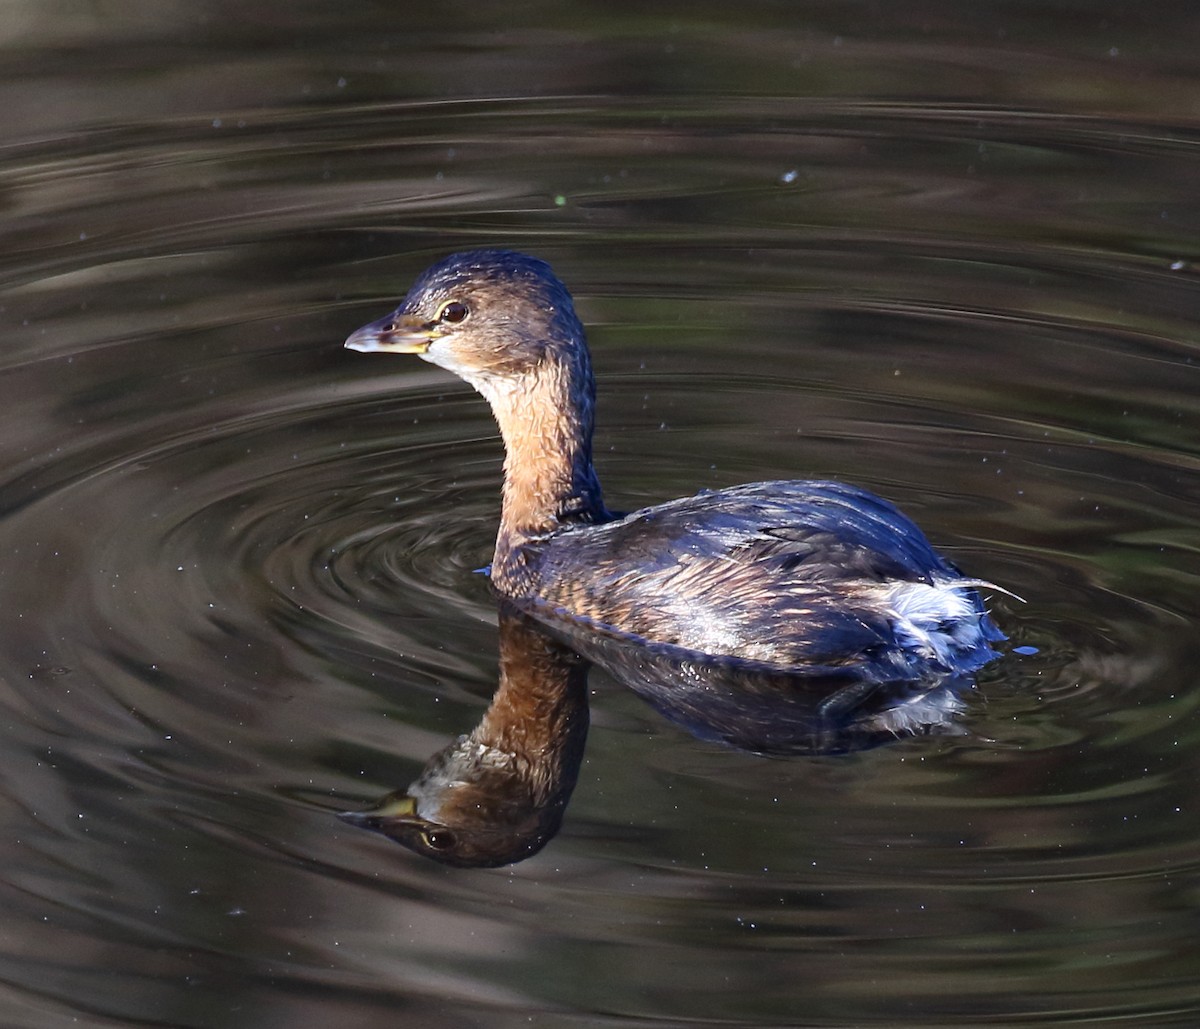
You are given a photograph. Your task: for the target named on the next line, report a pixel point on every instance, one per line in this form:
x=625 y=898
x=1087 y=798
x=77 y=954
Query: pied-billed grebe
x=795 y=574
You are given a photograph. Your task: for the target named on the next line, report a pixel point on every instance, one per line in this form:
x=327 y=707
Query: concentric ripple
x=281 y=612
x=241 y=583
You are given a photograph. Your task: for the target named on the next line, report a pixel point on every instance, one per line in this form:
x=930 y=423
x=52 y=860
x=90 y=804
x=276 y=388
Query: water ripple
x=241 y=581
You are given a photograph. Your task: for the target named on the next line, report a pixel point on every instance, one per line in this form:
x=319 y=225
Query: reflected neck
x=539 y=714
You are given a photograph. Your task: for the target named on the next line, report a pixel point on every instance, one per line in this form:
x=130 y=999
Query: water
x=945 y=256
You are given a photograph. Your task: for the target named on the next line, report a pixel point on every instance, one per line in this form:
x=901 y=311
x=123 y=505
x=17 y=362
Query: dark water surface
x=944 y=253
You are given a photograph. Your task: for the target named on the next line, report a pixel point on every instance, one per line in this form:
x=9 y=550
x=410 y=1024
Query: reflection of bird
x=498 y=795
x=788 y=573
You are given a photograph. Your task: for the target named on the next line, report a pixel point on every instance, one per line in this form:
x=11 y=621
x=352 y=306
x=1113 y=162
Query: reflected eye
x=439 y=839
x=454 y=312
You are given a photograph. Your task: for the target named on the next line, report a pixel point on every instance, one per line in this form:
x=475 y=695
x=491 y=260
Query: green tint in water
x=947 y=257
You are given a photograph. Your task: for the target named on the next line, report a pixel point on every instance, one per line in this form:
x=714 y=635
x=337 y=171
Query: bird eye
x=454 y=312
x=439 y=839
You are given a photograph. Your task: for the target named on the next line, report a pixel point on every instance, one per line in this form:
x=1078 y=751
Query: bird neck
x=545 y=419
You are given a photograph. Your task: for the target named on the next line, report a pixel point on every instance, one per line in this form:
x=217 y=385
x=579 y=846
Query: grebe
x=802 y=575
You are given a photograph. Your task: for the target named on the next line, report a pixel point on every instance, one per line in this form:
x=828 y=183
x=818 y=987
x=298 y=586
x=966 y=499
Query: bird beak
x=393 y=334
x=395 y=806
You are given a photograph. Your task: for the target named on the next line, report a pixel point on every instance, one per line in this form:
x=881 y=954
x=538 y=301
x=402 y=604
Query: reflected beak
x=393 y=334
x=394 y=806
